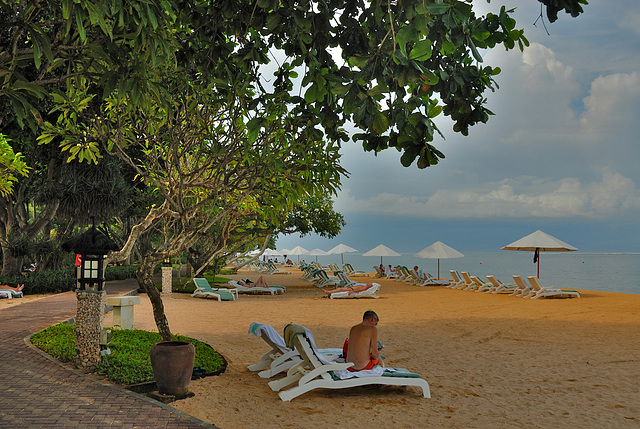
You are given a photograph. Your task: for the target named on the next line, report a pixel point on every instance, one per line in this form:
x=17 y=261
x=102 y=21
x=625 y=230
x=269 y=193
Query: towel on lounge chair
x=343 y=374
x=375 y=372
x=259 y=329
x=290 y=332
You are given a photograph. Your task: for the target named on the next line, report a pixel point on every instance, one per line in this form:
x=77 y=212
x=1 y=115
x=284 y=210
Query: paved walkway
x=36 y=391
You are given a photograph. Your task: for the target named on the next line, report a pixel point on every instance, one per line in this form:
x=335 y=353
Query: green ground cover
x=129 y=361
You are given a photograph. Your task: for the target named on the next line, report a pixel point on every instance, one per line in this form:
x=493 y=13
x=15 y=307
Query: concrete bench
x=123 y=310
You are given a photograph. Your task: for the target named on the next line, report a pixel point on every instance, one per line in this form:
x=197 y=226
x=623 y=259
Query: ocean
x=608 y=271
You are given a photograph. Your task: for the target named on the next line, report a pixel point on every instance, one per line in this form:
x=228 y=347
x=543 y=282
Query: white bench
x=123 y=310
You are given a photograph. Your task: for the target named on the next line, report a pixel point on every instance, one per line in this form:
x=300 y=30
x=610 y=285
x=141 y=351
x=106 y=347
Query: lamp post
x=92 y=246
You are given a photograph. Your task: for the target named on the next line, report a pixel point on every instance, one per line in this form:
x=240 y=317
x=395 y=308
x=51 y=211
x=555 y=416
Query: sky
x=561 y=153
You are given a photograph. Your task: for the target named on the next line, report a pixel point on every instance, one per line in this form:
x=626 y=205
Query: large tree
x=389 y=67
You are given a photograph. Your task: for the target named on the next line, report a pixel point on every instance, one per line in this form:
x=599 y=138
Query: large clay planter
x=172 y=363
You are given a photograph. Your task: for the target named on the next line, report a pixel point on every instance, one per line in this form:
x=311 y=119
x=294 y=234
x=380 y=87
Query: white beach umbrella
x=318 y=252
x=438 y=250
x=381 y=251
x=539 y=242
x=271 y=252
x=342 y=249
x=298 y=250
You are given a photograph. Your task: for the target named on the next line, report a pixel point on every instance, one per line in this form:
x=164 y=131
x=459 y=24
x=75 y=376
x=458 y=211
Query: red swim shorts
x=370 y=365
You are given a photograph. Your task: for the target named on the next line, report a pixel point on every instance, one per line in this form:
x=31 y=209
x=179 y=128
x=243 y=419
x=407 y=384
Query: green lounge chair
x=204 y=290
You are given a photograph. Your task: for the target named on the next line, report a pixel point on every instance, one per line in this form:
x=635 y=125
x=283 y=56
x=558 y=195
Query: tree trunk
x=11 y=266
x=144 y=276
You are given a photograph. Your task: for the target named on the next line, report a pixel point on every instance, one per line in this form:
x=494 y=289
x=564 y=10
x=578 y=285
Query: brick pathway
x=38 y=392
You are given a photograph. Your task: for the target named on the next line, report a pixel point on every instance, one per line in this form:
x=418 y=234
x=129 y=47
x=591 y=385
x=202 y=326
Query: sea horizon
x=608 y=271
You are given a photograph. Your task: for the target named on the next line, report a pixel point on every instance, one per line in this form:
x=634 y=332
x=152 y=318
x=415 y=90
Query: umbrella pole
x=438 y=267
x=538 y=266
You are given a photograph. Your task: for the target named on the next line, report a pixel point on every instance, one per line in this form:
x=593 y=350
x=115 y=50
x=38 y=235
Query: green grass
x=129 y=361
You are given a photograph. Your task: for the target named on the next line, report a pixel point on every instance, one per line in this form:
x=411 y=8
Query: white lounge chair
x=379 y=273
x=348 y=269
x=522 y=289
x=457 y=280
x=468 y=283
x=480 y=285
x=499 y=287
x=315 y=372
x=257 y=289
x=429 y=280
x=370 y=292
x=280 y=357
x=540 y=291
x=322 y=279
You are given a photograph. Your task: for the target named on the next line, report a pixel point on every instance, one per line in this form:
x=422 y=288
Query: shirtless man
x=363 y=343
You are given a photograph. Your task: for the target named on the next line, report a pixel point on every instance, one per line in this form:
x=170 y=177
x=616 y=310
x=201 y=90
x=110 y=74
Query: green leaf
x=421 y=51
x=359 y=61
x=380 y=123
x=311 y=95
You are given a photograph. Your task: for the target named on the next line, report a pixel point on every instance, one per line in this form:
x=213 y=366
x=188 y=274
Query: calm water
x=610 y=272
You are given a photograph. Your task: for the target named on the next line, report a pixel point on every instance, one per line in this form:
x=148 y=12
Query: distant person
x=362 y=349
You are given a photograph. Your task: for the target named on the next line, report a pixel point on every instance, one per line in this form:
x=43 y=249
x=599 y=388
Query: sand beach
x=491 y=360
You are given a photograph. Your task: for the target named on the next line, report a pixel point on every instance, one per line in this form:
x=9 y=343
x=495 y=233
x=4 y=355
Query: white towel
x=259 y=329
x=344 y=374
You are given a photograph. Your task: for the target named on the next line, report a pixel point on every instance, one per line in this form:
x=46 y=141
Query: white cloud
x=524 y=197
x=613 y=102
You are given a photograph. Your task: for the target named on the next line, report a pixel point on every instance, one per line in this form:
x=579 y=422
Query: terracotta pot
x=172 y=363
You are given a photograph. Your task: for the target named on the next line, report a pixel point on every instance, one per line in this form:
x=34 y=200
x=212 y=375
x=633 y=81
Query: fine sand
x=491 y=360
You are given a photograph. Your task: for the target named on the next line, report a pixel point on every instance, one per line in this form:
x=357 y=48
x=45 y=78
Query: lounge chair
x=429 y=280
x=480 y=285
x=468 y=284
x=204 y=290
x=322 y=279
x=272 y=268
x=315 y=372
x=257 y=289
x=499 y=287
x=370 y=292
x=12 y=293
x=379 y=273
x=522 y=289
x=540 y=291
x=351 y=272
x=457 y=281
x=280 y=358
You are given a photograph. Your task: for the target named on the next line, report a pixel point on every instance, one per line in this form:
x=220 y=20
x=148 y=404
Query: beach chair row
x=521 y=288
x=266 y=268
x=305 y=367
x=403 y=274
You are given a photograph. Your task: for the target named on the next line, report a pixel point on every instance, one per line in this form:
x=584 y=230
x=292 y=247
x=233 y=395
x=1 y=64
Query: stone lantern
x=92 y=246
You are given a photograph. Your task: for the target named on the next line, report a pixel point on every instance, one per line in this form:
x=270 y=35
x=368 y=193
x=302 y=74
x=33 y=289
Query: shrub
x=129 y=361
x=50 y=281
x=120 y=272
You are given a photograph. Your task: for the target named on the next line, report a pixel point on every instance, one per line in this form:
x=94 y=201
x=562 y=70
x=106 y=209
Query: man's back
x=363 y=339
